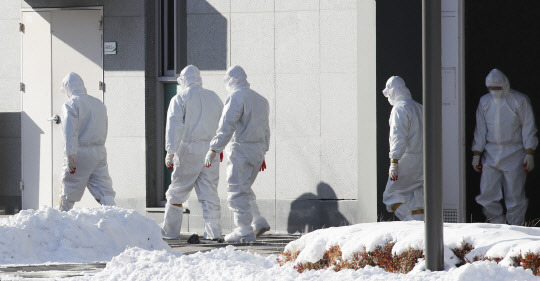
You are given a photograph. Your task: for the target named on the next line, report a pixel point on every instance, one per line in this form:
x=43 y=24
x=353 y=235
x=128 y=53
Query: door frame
x=29 y=9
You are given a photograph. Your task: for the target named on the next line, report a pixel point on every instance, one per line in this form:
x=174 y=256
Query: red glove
x=74 y=170
x=221 y=157
x=263 y=166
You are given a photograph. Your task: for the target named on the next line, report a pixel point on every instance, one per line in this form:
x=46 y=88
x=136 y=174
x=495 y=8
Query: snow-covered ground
x=230 y=264
x=134 y=244
x=234 y=265
x=80 y=235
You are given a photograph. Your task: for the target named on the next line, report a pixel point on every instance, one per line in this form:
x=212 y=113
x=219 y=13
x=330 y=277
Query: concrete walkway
x=265 y=246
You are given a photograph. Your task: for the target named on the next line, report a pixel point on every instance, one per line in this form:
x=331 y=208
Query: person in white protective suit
x=504 y=141
x=84 y=124
x=404 y=193
x=192 y=121
x=245 y=124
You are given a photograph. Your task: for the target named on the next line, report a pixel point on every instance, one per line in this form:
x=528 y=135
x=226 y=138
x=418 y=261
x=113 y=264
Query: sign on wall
x=110 y=48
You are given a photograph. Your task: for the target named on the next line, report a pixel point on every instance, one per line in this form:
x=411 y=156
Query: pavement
x=266 y=245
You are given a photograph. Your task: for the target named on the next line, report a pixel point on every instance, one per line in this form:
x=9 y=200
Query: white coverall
x=505 y=128
x=84 y=124
x=406 y=130
x=245 y=124
x=192 y=121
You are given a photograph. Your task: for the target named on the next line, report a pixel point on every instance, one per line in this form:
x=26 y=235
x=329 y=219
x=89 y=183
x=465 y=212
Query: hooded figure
x=192 y=121
x=244 y=123
x=404 y=193
x=504 y=141
x=84 y=124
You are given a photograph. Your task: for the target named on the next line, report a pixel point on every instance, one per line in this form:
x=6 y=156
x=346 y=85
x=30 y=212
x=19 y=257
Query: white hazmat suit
x=84 y=124
x=404 y=193
x=506 y=134
x=192 y=121
x=245 y=124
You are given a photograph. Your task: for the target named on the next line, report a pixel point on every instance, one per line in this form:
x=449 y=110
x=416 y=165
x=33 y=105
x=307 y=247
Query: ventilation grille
x=450 y=215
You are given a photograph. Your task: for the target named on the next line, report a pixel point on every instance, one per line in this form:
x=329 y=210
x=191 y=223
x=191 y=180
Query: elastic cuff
x=213 y=151
x=530 y=151
x=476 y=152
x=394 y=161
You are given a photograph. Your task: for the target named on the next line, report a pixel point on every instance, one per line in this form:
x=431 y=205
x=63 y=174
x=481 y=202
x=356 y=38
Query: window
x=172 y=37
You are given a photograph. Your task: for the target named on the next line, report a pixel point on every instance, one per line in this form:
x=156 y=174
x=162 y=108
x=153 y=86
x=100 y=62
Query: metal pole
x=432 y=92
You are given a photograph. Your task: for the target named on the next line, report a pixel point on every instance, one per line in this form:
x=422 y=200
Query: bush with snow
x=80 y=235
x=398 y=246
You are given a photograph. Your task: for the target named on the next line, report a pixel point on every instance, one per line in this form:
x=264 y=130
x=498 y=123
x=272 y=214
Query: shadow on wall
x=315 y=211
x=206 y=36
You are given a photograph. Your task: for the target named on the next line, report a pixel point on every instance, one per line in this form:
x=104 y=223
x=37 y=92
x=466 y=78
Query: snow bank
x=80 y=235
x=491 y=240
x=230 y=264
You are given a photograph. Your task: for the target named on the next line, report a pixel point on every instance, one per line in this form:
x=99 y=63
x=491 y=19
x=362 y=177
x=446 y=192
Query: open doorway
x=500 y=34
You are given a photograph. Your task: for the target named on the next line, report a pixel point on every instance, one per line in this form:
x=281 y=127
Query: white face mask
x=496 y=93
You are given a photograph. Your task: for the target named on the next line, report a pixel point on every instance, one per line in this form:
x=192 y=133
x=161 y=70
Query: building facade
x=322 y=65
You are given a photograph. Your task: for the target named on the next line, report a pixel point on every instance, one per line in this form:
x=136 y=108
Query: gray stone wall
x=10 y=107
x=302 y=56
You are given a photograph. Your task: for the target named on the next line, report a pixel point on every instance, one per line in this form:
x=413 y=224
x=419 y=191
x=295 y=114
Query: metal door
x=73 y=43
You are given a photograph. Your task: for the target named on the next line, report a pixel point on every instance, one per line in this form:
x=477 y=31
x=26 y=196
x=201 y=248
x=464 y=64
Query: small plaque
x=110 y=48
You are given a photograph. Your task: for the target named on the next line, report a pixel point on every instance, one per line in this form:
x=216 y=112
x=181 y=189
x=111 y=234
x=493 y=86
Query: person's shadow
x=315 y=211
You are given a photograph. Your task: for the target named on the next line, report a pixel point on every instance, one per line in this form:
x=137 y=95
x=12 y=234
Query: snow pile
x=488 y=240
x=230 y=264
x=80 y=235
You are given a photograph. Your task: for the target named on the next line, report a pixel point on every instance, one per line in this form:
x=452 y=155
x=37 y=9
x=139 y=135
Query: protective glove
x=476 y=163
x=393 y=171
x=221 y=157
x=263 y=166
x=70 y=164
x=209 y=158
x=528 y=163
x=169 y=161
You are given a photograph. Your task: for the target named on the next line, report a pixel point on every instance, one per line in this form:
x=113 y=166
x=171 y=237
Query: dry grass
x=382 y=257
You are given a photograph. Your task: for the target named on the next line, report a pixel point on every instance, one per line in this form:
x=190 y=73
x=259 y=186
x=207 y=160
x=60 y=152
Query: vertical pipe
x=432 y=92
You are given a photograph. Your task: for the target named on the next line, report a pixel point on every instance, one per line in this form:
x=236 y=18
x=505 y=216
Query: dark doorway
x=500 y=34
x=399 y=52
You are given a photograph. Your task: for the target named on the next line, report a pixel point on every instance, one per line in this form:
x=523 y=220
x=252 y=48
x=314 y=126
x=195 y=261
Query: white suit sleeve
x=175 y=125
x=70 y=127
x=399 y=132
x=528 y=126
x=232 y=112
x=480 y=132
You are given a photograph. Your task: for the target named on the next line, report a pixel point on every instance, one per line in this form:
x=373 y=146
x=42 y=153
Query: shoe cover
x=212 y=229
x=260 y=226
x=236 y=237
x=172 y=221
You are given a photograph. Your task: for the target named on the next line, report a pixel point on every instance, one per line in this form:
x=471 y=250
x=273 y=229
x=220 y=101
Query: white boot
x=259 y=223
x=241 y=235
x=64 y=204
x=172 y=221
x=212 y=229
x=260 y=226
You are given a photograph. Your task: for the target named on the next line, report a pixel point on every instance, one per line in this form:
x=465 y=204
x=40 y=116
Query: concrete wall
x=125 y=94
x=301 y=56
x=10 y=107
